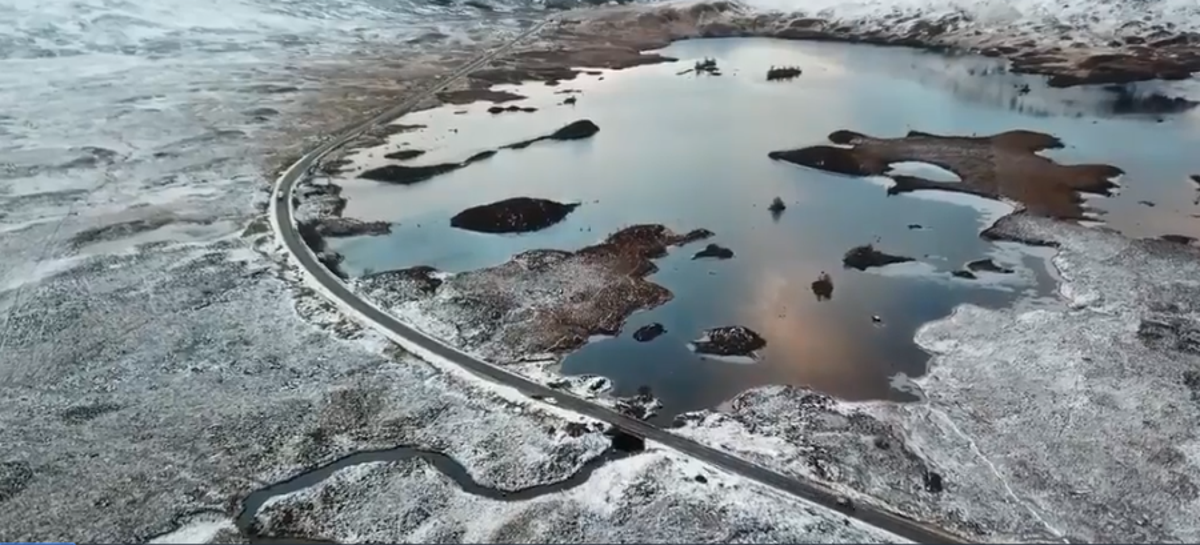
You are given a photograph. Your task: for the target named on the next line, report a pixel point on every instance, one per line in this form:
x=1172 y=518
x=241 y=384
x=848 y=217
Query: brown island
x=541 y=301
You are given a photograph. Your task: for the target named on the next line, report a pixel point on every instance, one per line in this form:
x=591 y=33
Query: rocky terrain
x=729 y=341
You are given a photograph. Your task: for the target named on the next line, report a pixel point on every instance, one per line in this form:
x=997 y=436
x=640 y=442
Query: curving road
x=423 y=345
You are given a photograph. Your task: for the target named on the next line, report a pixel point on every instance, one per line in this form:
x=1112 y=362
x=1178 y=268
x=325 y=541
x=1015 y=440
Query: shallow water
x=691 y=152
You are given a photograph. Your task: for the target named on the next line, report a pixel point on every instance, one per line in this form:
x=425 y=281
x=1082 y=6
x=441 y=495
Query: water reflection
x=692 y=152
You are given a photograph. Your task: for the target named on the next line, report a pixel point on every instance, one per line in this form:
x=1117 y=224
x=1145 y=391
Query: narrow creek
x=623 y=446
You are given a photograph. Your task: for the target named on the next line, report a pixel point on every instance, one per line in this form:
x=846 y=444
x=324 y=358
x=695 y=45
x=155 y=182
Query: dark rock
x=714 y=251
x=777 y=205
x=1146 y=203
x=987 y=265
x=577 y=130
x=701 y=479
x=479 y=156
x=478 y=5
x=570 y=101
x=405 y=154
x=575 y=429
x=706 y=66
x=516 y=215
x=783 y=73
x=14 y=478
x=915 y=226
x=406 y=175
x=968 y=275
x=729 y=341
x=822 y=287
x=649 y=332
x=933 y=482
x=866 y=256
x=1195 y=179
x=882 y=443
x=1178 y=239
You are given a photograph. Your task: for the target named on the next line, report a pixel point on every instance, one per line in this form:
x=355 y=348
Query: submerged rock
x=649 y=332
x=729 y=341
x=965 y=275
x=1004 y=165
x=866 y=256
x=987 y=265
x=516 y=215
x=715 y=251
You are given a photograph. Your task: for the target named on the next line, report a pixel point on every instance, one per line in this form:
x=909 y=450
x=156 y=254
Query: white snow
x=202 y=528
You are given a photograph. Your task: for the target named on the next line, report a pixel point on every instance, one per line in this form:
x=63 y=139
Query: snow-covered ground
x=656 y=497
x=156 y=361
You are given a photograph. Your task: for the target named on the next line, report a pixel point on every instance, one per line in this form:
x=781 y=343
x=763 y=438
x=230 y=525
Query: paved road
x=807 y=490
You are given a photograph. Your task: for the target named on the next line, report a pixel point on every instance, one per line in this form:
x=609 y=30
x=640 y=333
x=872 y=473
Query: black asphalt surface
x=811 y=491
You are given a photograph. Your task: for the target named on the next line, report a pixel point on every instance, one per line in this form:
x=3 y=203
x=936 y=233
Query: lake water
x=690 y=152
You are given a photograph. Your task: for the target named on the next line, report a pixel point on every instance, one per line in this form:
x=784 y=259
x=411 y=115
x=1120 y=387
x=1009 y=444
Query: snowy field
x=157 y=360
